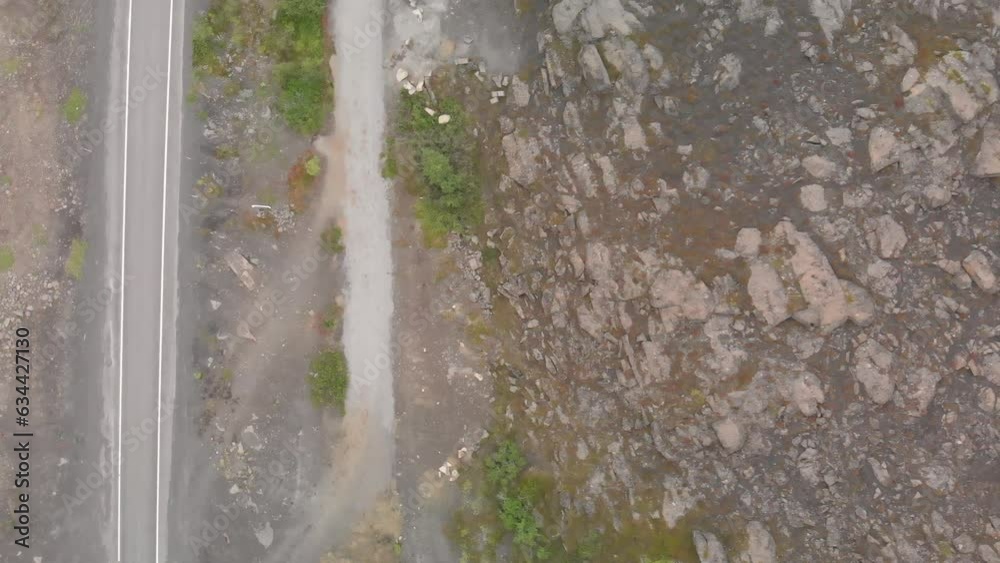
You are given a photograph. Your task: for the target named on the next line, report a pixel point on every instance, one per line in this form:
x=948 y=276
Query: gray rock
x=964 y=543
x=987 y=164
x=767 y=293
x=727 y=78
x=860 y=305
x=921 y=386
x=709 y=548
x=938 y=477
x=966 y=80
x=605 y=16
x=625 y=58
x=988 y=366
x=831 y=14
x=988 y=554
x=748 y=242
x=678 y=500
x=522 y=154
x=761 y=548
x=813 y=198
x=872 y=368
x=730 y=434
x=936 y=195
x=820 y=287
x=819 y=167
x=885 y=236
x=519 y=92
x=805 y=392
x=564 y=14
x=594 y=71
x=681 y=293
x=977 y=265
x=882 y=148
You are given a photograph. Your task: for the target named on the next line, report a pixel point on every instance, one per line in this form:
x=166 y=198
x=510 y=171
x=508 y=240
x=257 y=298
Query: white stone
x=872 y=365
x=885 y=236
x=761 y=548
x=730 y=434
x=882 y=148
x=709 y=548
x=987 y=163
x=767 y=293
x=748 y=242
x=977 y=265
x=909 y=80
x=819 y=167
x=813 y=198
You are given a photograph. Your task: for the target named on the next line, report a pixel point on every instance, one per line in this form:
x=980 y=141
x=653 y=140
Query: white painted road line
x=121 y=295
x=163 y=253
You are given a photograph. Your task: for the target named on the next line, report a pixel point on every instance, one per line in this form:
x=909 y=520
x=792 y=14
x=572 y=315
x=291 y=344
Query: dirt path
x=362 y=462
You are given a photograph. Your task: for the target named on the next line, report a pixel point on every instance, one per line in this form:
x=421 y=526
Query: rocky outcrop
x=522 y=154
x=594 y=72
x=767 y=292
x=709 y=548
x=761 y=547
x=794 y=279
x=987 y=164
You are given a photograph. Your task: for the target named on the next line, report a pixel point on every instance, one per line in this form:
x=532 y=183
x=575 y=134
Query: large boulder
x=594 y=71
x=681 y=294
x=817 y=282
x=760 y=548
x=522 y=154
x=767 y=293
x=709 y=548
x=603 y=17
x=987 y=164
x=793 y=278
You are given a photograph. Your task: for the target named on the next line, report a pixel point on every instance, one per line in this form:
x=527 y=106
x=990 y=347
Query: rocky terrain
x=744 y=258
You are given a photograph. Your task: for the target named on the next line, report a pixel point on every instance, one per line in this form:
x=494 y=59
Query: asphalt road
x=154 y=54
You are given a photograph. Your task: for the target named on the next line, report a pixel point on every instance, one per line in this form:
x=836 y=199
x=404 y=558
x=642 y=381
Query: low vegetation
x=75 y=106
x=503 y=498
x=295 y=41
x=6 y=258
x=332 y=240
x=333 y=316
x=328 y=379
x=299 y=45
x=444 y=170
x=76 y=259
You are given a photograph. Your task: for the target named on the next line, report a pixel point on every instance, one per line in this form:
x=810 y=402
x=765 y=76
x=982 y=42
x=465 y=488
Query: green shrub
x=332 y=240
x=305 y=95
x=328 y=379
x=6 y=258
x=298 y=43
x=75 y=105
x=205 y=46
x=77 y=256
x=506 y=464
x=517 y=515
x=446 y=170
x=314 y=166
